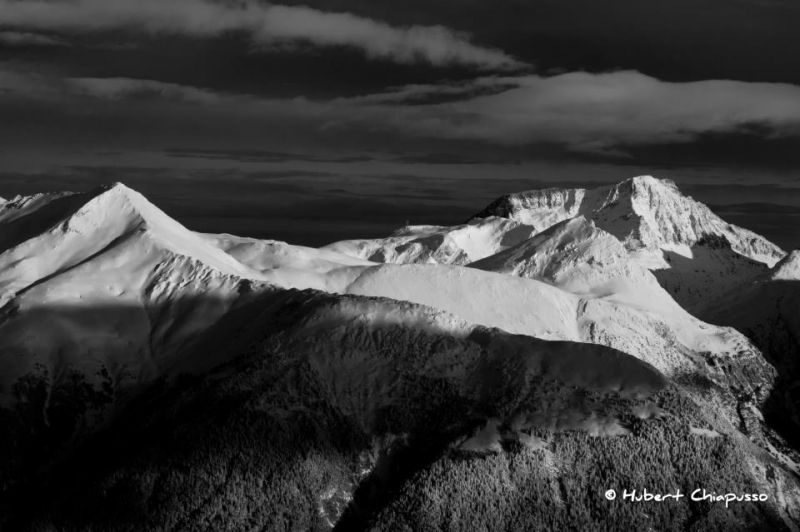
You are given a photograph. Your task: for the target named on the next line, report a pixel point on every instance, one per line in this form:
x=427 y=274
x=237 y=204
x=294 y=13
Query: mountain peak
x=649 y=185
x=112 y=205
x=115 y=185
x=51 y=234
x=122 y=191
x=651 y=181
x=644 y=212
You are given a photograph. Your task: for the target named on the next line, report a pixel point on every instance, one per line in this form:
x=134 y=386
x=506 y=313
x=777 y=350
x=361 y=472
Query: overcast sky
x=325 y=119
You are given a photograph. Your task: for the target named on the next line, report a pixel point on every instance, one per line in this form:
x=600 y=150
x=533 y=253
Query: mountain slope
x=351 y=412
x=574 y=255
x=120 y=285
x=459 y=244
x=712 y=269
x=768 y=312
x=674 y=342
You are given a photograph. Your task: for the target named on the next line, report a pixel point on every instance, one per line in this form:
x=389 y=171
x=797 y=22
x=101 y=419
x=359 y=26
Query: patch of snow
x=788 y=269
x=485 y=439
x=707 y=433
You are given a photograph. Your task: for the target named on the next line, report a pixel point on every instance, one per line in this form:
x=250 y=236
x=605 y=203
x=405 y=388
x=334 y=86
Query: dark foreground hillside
x=355 y=413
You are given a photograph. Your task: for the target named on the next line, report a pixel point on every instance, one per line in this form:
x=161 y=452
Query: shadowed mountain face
x=521 y=365
x=335 y=418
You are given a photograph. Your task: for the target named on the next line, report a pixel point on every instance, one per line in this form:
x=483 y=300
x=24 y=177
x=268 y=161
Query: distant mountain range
x=502 y=373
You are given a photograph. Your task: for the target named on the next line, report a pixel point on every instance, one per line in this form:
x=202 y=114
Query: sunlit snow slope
x=106 y=285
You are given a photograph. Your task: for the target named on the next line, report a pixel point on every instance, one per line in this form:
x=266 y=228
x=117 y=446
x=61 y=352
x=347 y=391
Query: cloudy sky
x=318 y=120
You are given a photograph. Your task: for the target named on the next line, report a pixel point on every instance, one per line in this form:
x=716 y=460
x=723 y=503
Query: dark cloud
x=678 y=40
x=599 y=112
x=266 y=24
x=596 y=114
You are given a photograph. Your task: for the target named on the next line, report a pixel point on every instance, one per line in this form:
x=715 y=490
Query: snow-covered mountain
x=124 y=288
x=581 y=283
x=693 y=252
x=646 y=214
x=106 y=285
x=643 y=212
x=549 y=311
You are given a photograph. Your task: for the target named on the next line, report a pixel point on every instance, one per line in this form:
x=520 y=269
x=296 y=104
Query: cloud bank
x=266 y=24
x=592 y=112
x=596 y=113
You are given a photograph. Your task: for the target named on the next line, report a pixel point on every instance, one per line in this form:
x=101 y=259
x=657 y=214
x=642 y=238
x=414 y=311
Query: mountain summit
x=643 y=212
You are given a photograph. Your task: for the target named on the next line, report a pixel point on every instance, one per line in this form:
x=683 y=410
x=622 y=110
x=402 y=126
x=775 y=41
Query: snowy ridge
x=265 y=255
x=538 y=208
x=292 y=266
x=427 y=244
x=578 y=257
x=529 y=307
